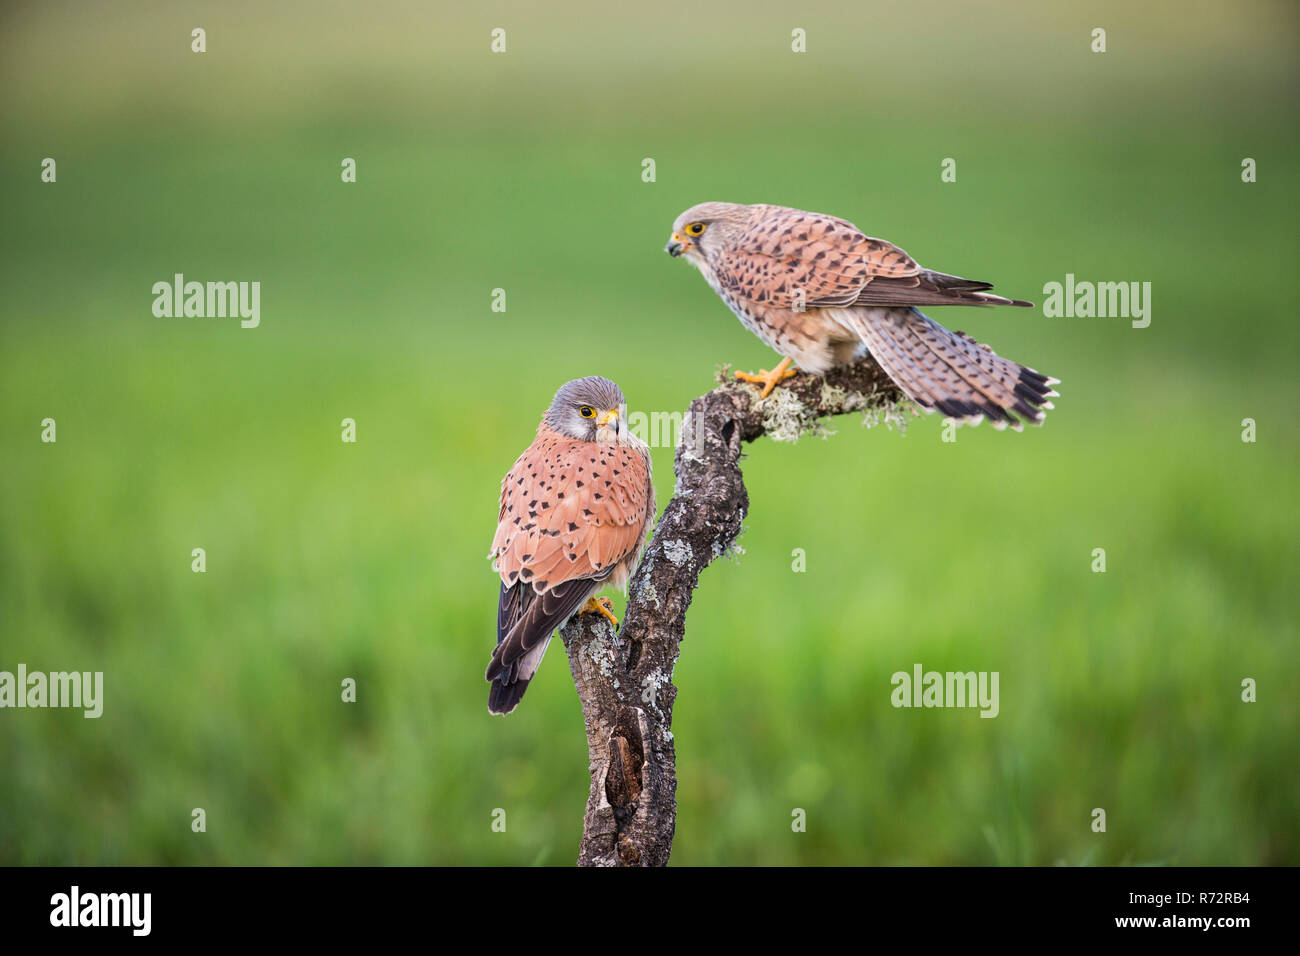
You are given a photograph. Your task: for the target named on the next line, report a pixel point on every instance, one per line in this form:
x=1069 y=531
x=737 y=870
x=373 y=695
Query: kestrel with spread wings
x=575 y=509
x=819 y=292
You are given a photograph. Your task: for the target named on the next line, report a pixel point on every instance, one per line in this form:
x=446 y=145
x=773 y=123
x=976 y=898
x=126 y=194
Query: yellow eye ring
x=695 y=229
x=586 y=411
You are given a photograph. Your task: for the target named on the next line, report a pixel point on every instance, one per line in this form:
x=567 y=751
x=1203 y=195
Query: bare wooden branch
x=624 y=679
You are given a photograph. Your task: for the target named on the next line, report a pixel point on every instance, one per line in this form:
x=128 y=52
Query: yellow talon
x=601 y=606
x=768 y=379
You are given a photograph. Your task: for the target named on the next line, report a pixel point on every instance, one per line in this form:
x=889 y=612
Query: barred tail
x=950 y=371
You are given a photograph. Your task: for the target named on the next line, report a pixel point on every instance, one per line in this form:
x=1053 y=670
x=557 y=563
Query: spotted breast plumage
x=575 y=509
x=820 y=292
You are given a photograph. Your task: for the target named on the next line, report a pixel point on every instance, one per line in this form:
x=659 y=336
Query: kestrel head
x=703 y=230
x=588 y=409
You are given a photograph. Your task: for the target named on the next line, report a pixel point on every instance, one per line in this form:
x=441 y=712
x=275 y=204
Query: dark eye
x=695 y=229
x=586 y=411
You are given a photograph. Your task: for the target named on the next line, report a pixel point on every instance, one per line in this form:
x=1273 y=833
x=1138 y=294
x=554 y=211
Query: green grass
x=327 y=560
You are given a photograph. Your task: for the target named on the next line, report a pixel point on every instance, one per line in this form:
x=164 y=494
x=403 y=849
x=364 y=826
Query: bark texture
x=624 y=678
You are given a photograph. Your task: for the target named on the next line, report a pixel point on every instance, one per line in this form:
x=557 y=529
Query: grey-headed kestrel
x=575 y=509
x=818 y=291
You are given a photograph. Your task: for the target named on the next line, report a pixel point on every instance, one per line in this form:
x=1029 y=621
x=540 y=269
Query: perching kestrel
x=817 y=290
x=575 y=509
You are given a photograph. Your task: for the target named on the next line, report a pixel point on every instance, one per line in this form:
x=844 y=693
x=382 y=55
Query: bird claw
x=603 y=606
x=768 y=380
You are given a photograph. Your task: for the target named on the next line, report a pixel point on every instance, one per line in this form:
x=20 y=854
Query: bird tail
x=510 y=681
x=949 y=371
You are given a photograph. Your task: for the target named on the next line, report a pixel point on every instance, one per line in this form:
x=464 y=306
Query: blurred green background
x=523 y=171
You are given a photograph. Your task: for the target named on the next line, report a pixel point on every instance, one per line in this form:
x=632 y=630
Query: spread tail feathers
x=949 y=371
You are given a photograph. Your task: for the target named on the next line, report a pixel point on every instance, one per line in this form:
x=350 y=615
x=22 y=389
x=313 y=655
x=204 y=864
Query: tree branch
x=624 y=679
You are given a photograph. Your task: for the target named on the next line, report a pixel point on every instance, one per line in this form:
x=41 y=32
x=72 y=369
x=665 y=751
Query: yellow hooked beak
x=677 y=245
x=608 y=422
